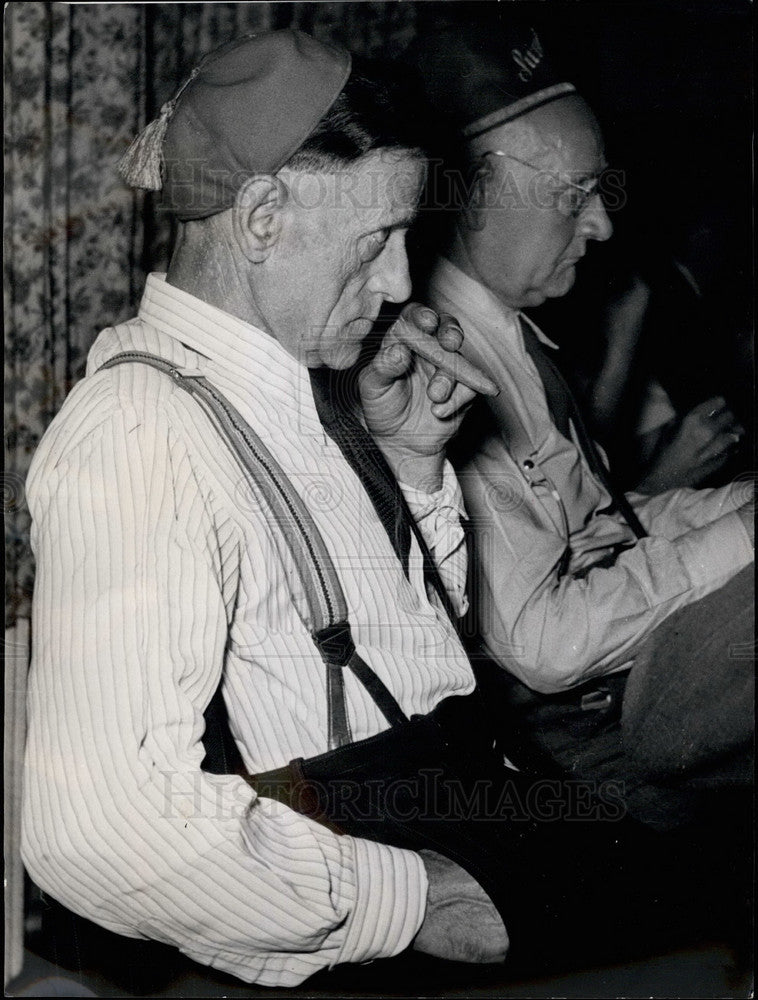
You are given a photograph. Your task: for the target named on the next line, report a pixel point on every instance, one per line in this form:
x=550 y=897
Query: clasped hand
x=700 y=446
x=413 y=406
x=461 y=923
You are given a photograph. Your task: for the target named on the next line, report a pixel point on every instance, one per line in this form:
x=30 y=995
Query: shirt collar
x=239 y=351
x=478 y=302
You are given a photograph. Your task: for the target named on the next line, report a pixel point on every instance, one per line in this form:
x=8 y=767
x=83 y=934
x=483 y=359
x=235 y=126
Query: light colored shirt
x=157 y=571
x=545 y=608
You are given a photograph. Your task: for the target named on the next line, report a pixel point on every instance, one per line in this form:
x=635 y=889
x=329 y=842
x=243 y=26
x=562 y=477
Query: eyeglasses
x=569 y=198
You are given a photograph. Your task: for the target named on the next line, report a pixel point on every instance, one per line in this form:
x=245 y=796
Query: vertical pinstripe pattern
x=156 y=571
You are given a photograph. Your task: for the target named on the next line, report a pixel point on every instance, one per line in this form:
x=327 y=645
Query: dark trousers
x=674 y=732
x=689 y=707
x=575 y=881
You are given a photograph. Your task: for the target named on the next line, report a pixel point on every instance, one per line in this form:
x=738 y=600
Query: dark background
x=672 y=88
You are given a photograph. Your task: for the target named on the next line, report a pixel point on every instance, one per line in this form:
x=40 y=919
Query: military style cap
x=245 y=110
x=481 y=78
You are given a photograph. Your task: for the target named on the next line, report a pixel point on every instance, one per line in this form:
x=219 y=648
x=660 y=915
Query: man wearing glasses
x=575 y=582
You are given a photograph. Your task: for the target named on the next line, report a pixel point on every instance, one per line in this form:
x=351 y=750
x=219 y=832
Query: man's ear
x=257 y=215
x=480 y=176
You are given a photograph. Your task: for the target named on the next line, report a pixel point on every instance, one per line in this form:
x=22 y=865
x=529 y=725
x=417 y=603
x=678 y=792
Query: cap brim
x=518 y=108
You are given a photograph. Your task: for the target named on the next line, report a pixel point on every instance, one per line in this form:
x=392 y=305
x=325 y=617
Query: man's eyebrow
x=591 y=175
x=571 y=178
x=404 y=222
x=585 y=182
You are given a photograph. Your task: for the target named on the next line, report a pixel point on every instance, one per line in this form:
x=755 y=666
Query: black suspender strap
x=361 y=452
x=563 y=407
x=324 y=594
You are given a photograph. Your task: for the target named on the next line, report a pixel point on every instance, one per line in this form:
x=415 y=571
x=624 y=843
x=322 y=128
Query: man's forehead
x=561 y=136
x=395 y=177
x=379 y=190
x=383 y=189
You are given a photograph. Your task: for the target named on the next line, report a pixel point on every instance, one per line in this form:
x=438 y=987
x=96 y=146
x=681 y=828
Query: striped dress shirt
x=158 y=577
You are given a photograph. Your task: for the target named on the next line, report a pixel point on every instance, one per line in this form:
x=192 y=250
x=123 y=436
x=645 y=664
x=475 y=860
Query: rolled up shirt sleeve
x=675 y=512
x=120 y=822
x=554 y=630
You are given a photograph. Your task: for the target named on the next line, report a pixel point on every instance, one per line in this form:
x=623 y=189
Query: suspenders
x=325 y=597
x=563 y=407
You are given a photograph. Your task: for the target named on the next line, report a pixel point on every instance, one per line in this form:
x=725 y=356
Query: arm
x=554 y=631
x=624 y=319
x=120 y=823
x=675 y=512
x=699 y=444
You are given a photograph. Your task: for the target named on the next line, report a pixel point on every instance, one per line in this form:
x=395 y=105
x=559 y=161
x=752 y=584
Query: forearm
x=271 y=898
x=556 y=631
x=675 y=512
x=413 y=469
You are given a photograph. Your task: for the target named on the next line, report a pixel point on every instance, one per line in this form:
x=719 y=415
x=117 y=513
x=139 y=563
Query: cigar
x=452 y=364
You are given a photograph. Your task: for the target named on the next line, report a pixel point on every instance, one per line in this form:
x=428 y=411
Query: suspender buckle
x=599 y=698
x=335 y=643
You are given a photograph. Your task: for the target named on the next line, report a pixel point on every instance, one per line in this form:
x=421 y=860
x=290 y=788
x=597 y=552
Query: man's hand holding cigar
x=415 y=393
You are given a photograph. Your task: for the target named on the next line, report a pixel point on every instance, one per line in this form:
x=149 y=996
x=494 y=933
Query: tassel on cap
x=245 y=110
x=140 y=166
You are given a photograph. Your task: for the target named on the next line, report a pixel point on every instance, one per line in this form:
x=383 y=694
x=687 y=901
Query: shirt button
x=528 y=464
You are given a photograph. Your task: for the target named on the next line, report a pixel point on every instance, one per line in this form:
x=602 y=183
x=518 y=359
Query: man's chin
x=341 y=356
x=344 y=350
x=562 y=283
x=559 y=284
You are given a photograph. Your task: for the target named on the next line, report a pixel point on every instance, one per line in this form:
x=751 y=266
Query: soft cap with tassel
x=141 y=165
x=244 y=110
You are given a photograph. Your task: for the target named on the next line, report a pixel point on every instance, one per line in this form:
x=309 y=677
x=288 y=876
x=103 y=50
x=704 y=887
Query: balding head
x=534 y=203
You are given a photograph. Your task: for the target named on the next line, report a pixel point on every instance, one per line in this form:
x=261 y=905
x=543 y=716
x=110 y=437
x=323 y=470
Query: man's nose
x=393 y=279
x=596 y=225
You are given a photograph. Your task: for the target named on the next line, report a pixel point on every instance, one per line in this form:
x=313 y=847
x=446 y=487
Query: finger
x=449 y=333
x=708 y=467
x=422 y=317
x=390 y=363
x=461 y=399
x=414 y=318
x=440 y=387
x=453 y=364
x=721 y=445
x=723 y=420
x=709 y=407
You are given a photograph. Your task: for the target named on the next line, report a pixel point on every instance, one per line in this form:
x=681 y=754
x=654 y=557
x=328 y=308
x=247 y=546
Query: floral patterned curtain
x=81 y=80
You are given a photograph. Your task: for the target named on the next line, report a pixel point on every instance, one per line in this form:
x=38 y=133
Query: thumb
x=390 y=363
